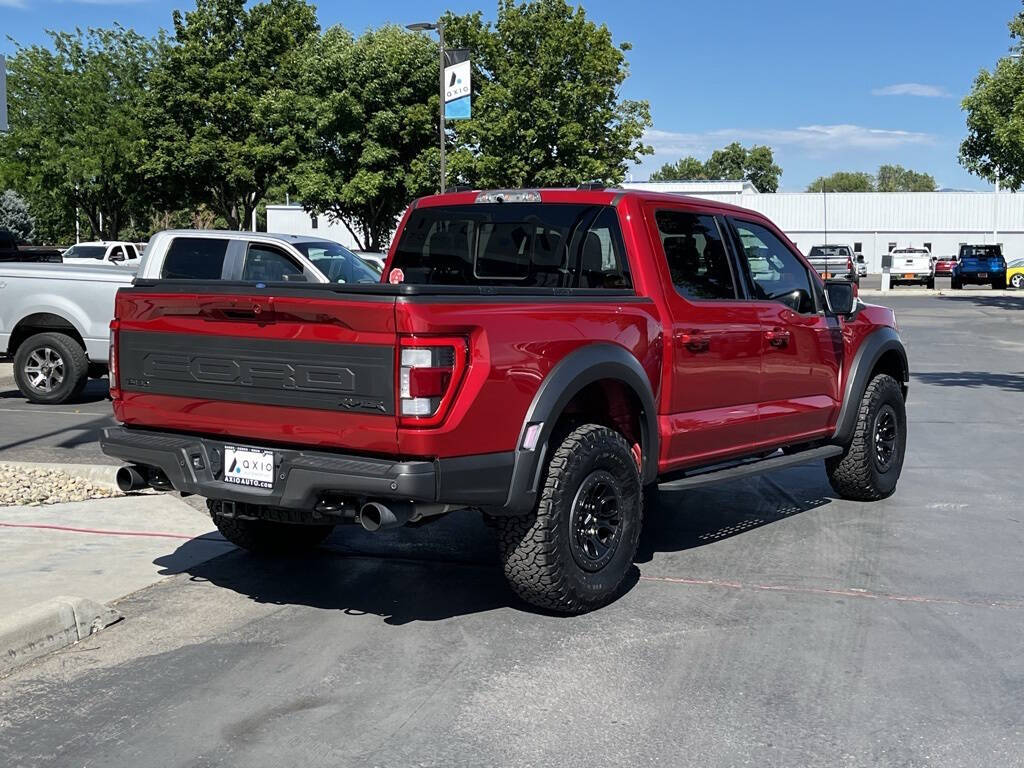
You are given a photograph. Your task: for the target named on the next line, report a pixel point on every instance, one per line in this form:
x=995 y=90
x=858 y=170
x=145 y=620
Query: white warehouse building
x=871 y=223
x=874 y=223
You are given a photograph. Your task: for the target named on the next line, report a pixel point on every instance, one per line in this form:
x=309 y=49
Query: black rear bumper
x=195 y=465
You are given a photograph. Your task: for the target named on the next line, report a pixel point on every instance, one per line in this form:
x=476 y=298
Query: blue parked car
x=980 y=265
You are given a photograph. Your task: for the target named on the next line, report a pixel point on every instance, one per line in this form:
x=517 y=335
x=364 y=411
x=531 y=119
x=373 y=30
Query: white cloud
x=913 y=89
x=818 y=139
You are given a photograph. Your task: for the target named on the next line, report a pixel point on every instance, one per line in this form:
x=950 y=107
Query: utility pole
x=426 y=26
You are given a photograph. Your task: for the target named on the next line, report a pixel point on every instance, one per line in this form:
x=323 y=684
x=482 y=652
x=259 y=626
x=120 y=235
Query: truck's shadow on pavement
x=450 y=568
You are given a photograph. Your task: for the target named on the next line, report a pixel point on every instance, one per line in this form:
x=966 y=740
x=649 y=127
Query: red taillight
x=849 y=265
x=429 y=371
x=112 y=356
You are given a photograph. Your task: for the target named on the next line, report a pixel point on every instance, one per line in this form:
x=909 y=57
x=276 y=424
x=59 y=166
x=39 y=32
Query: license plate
x=983 y=274
x=908 y=276
x=248 y=466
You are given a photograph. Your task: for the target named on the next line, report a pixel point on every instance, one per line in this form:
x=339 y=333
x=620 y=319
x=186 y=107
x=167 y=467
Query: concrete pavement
x=767 y=623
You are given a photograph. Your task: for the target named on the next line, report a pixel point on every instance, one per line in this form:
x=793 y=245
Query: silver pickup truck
x=55 y=319
x=55 y=323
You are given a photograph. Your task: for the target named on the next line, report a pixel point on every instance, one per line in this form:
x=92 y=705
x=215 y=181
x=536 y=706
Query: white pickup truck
x=911 y=265
x=55 y=323
x=55 y=318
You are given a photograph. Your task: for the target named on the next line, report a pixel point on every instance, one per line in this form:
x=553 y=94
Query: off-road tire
x=857 y=473
x=266 y=537
x=75 y=368
x=537 y=550
x=999 y=285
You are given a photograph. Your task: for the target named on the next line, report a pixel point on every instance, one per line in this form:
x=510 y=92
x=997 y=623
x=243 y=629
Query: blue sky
x=828 y=85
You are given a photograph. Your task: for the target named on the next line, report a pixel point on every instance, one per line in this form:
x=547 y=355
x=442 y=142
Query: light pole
x=426 y=26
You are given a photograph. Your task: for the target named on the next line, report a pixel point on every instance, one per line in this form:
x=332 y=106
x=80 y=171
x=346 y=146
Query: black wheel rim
x=44 y=369
x=595 y=524
x=886 y=434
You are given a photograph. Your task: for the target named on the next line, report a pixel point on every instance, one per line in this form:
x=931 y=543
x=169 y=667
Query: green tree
x=224 y=116
x=995 y=117
x=546 y=105
x=896 y=178
x=761 y=169
x=15 y=216
x=736 y=162
x=76 y=134
x=687 y=169
x=844 y=181
x=376 y=122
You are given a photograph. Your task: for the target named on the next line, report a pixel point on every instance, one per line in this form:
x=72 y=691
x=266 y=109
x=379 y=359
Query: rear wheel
x=955 y=284
x=930 y=283
x=871 y=464
x=50 y=368
x=999 y=283
x=573 y=552
x=266 y=537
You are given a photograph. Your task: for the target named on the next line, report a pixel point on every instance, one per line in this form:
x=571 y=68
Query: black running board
x=732 y=471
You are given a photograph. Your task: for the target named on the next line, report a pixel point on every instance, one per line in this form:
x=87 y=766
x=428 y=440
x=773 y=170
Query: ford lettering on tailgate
x=323 y=375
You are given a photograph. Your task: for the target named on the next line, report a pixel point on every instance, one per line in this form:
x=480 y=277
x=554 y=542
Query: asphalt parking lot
x=766 y=623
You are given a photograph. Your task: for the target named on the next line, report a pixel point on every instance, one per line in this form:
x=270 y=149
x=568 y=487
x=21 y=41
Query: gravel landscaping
x=33 y=486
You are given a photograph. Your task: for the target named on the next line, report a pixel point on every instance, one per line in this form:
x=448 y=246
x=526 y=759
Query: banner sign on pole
x=456 y=84
x=3 y=95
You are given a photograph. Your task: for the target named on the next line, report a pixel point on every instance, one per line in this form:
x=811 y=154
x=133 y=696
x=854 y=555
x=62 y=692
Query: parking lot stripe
x=101 y=531
x=851 y=592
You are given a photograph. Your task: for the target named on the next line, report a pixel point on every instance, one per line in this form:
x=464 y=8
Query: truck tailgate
x=305 y=367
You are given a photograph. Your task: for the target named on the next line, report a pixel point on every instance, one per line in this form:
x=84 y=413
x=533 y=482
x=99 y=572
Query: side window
x=775 y=271
x=195 y=258
x=603 y=261
x=132 y=252
x=267 y=264
x=696 y=256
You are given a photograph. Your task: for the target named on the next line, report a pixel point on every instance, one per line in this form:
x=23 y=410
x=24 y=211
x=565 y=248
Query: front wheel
x=1017 y=281
x=573 y=552
x=870 y=466
x=267 y=537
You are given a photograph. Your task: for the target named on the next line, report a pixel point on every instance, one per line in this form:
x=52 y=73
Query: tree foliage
x=225 y=119
x=376 y=101
x=736 y=162
x=546 y=105
x=15 y=216
x=896 y=178
x=890 y=178
x=995 y=117
x=843 y=181
x=76 y=135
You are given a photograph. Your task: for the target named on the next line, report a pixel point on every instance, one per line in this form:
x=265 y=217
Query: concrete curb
x=914 y=291
x=48 y=626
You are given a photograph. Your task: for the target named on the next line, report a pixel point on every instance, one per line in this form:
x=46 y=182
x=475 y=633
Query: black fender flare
x=867 y=356
x=594 y=362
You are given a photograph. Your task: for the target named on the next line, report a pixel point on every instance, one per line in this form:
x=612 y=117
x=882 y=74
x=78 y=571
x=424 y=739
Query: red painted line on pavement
x=47 y=527
x=863 y=593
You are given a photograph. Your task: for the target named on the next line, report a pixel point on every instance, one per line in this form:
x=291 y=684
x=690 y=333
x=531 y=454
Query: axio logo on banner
x=3 y=95
x=456 y=84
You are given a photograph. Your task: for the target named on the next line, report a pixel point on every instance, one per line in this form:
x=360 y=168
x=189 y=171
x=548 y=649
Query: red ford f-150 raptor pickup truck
x=539 y=355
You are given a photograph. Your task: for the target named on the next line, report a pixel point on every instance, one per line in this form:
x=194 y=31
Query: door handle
x=695 y=341
x=777 y=337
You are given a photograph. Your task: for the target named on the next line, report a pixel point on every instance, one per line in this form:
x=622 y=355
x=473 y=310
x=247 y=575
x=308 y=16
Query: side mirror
x=839 y=297
x=116 y=257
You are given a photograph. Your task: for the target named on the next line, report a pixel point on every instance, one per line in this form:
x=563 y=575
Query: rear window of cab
x=548 y=245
